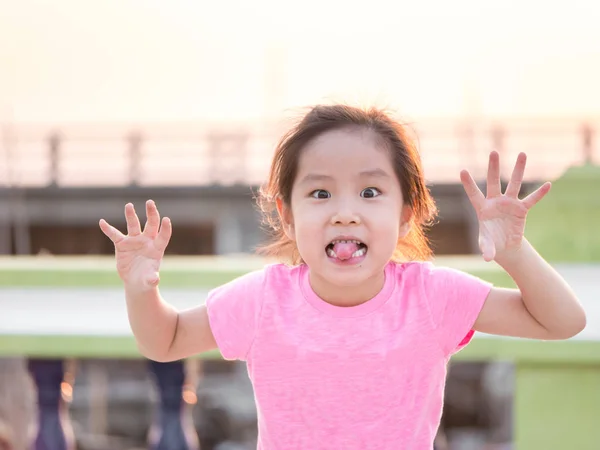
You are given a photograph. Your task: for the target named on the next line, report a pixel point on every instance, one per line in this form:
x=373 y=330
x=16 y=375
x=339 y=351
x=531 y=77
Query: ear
x=286 y=218
x=405 y=221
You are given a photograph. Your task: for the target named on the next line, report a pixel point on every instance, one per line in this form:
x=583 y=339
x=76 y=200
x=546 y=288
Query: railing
x=196 y=155
x=68 y=334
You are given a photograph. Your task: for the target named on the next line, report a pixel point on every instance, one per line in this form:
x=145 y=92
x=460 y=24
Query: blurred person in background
x=17 y=405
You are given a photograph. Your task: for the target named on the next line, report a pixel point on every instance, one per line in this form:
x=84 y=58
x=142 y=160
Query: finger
x=111 y=232
x=133 y=222
x=475 y=195
x=164 y=235
x=494 y=189
x=153 y=219
x=514 y=185
x=537 y=195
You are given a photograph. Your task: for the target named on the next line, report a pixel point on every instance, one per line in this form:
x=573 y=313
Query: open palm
x=501 y=216
x=139 y=253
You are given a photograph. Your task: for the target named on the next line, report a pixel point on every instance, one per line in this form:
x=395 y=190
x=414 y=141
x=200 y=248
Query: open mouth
x=346 y=249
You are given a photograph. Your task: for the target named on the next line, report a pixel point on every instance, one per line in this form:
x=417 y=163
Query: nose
x=345 y=214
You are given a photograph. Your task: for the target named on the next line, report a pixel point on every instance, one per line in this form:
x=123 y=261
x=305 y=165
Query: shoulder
x=453 y=299
x=435 y=279
x=258 y=281
x=235 y=309
x=424 y=269
x=413 y=272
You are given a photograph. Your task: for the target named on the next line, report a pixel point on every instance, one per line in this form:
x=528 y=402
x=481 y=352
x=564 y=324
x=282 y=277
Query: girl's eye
x=370 y=192
x=320 y=194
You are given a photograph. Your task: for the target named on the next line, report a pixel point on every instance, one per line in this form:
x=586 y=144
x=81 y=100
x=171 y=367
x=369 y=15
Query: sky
x=134 y=60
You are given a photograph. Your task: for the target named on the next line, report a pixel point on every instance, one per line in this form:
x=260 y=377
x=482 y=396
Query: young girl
x=347 y=340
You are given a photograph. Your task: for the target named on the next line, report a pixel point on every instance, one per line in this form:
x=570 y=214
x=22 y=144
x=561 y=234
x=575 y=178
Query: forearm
x=153 y=322
x=545 y=293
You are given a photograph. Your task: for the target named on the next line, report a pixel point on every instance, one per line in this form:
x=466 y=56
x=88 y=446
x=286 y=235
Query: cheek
x=385 y=221
x=308 y=217
x=309 y=233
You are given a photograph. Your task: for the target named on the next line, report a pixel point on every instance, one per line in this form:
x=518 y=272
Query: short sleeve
x=233 y=313
x=455 y=299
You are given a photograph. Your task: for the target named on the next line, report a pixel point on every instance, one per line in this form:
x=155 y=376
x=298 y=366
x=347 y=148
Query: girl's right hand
x=139 y=253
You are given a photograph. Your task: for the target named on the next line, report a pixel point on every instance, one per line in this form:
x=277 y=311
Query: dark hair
x=405 y=159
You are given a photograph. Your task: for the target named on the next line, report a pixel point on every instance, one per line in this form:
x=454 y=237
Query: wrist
x=139 y=291
x=515 y=256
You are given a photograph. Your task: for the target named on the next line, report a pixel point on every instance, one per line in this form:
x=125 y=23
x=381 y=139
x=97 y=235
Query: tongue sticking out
x=344 y=250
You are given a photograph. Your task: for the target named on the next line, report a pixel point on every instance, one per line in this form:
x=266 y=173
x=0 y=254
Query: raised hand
x=501 y=216
x=139 y=253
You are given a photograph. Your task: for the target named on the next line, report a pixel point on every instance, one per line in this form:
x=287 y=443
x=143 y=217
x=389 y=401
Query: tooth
x=358 y=253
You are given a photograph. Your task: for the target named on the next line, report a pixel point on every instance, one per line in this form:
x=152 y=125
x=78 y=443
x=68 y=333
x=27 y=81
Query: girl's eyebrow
x=370 y=173
x=374 y=173
x=316 y=177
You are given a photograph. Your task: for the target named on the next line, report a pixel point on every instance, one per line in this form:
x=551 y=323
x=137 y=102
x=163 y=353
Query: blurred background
x=103 y=103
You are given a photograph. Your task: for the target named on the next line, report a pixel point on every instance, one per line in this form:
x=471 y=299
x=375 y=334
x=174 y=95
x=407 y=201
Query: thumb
x=487 y=247
x=153 y=279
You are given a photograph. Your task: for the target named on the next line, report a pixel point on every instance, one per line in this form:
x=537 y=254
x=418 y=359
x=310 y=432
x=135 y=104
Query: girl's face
x=346 y=214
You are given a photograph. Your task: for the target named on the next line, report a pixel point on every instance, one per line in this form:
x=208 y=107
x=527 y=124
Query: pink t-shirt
x=370 y=376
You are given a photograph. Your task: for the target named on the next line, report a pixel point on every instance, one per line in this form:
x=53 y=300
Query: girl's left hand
x=501 y=216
